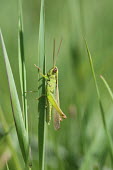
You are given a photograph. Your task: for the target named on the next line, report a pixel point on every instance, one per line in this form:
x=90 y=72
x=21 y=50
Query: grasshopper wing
x=57 y=118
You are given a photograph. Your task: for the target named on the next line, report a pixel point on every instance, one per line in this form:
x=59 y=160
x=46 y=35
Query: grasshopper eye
x=55 y=70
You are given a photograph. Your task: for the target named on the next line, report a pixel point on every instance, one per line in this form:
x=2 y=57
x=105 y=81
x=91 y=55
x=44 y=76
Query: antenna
x=54 y=59
x=59 y=47
x=54 y=52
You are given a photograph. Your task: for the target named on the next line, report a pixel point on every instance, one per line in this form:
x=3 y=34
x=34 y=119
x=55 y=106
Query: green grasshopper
x=52 y=94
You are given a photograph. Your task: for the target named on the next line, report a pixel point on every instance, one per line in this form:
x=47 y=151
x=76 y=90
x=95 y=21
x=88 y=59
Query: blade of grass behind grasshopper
x=15 y=104
x=108 y=135
x=41 y=106
x=22 y=69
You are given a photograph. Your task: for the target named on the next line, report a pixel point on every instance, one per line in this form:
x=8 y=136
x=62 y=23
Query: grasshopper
x=52 y=94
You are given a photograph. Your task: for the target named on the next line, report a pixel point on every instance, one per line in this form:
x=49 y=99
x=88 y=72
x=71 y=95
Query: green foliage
x=82 y=143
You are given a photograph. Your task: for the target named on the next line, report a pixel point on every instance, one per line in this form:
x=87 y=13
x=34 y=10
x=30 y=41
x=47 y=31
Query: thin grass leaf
x=107 y=86
x=22 y=69
x=41 y=108
x=7 y=166
x=108 y=135
x=16 y=109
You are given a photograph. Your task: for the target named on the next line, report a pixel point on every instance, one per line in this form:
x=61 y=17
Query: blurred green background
x=81 y=142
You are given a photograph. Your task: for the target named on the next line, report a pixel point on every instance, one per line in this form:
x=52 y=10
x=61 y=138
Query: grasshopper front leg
x=40 y=72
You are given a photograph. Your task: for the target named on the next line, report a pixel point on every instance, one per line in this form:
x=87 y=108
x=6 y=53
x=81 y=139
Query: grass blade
x=108 y=136
x=107 y=86
x=41 y=108
x=7 y=166
x=16 y=109
x=22 y=69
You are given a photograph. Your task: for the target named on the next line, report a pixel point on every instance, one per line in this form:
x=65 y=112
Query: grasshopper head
x=53 y=71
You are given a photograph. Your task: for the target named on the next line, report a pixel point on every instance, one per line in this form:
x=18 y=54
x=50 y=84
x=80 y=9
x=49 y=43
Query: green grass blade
x=7 y=166
x=16 y=109
x=41 y=108
x=22 y=69
x=92 y=69
x=107 y=86
x=108 y=136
